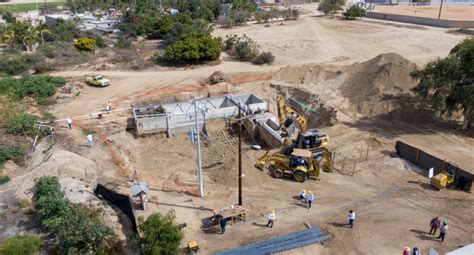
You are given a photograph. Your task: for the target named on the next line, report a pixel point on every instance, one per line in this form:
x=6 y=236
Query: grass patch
x=29 y=6
x=4 y=179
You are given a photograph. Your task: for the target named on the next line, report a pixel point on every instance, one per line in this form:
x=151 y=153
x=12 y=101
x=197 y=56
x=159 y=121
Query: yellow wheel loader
x=300 y=165
x=446 y=178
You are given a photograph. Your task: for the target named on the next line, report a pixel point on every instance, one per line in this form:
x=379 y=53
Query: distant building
x=52 y=19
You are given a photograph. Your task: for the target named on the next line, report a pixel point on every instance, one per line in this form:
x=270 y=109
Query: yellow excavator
x=290 y=118
x=300 y=165
x=446 y=178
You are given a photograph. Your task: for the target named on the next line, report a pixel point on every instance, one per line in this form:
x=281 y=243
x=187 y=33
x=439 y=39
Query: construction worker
x=90 y=140
x=434 y=224
x=108 y=107
x=271 y=219
x=406 y=251
x=69 y=122
x=351 y=218
x=303 y=196
x=443 y=229
x=416 y=251
x=310 y=198
x=222 y=224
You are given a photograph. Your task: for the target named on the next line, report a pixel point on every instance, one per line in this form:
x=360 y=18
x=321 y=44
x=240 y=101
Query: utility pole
x=201 y=188
x=240 y=156
x=440 y=7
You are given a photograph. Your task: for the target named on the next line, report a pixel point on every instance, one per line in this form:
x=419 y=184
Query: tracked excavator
x=300 y=165
x=290 y=120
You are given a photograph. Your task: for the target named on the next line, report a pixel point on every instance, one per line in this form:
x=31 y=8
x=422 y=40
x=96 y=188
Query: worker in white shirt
x=108 y=107
x=303 y=196
x=352 y=217
x=271 y=219
x=69 y=122
x=443 y=230
x=310 y=198
x=90 y=140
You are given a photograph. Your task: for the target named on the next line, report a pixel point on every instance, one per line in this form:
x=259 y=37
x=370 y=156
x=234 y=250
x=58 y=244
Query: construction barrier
x=426 y=161
x=119 y=200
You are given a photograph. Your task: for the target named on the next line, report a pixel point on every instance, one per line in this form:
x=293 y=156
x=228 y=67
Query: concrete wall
x=422 y=21
x=180 y=115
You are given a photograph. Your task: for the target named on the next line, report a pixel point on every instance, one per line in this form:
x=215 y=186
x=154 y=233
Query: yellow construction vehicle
x=300 y=165
x=446 y=178
x=306 y=139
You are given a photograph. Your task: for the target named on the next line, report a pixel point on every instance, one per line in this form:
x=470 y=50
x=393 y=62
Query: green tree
x=194 y=49
x=449 y=82
x=21 y=245
x=65 y=30
x=159 y=234
x=354 y=12
x=100 y=42
x=331 y=6
x=85 y=44
x=8 y=17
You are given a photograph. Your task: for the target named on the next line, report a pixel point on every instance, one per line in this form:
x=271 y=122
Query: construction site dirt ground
x=392 y=199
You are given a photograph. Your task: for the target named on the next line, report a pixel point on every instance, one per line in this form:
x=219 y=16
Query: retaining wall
x=421 y=20
x=426 y=161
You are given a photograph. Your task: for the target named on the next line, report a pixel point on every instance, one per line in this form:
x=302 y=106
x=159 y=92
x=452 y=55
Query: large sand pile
x=380 y=87
x=375 y=87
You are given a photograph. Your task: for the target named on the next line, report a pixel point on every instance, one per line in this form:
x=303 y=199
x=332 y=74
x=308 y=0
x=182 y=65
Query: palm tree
x=43 y=30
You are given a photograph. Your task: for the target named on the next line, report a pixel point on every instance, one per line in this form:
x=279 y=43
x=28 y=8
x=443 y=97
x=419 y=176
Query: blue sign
x=192 y=135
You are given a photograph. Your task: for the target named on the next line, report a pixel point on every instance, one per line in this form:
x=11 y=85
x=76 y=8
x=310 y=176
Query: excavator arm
x=285 y=111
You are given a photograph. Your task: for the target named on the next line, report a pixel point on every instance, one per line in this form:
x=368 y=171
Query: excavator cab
x=312 y=139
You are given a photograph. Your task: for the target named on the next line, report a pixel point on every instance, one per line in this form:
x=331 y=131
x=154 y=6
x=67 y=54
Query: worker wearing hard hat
x=310 y=199
x=271 y=219
x=303 y=196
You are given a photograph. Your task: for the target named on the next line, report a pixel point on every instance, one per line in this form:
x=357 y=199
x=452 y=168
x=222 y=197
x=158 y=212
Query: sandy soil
x=393 y=199
x=464 y=12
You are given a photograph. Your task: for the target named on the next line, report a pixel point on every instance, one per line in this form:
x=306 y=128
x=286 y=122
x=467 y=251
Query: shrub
x=39 y=87
x=36 y=62
x=4 y=179
x=47 y=50
x=123 y=42
x=20 y=124
x=12 y=67
x=354 y=12
x=85 y=44
x=47 y=186
x=264 y=58
x=229 y=42
x=331 y=6
x=21 y=244
x=100 y=42
x=9 y=153
x=194 y=49
x=245 y=49
x=77 y=227
x=160 y=234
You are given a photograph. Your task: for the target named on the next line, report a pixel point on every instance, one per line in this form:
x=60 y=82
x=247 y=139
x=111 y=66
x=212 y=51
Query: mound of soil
x=378 y=85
